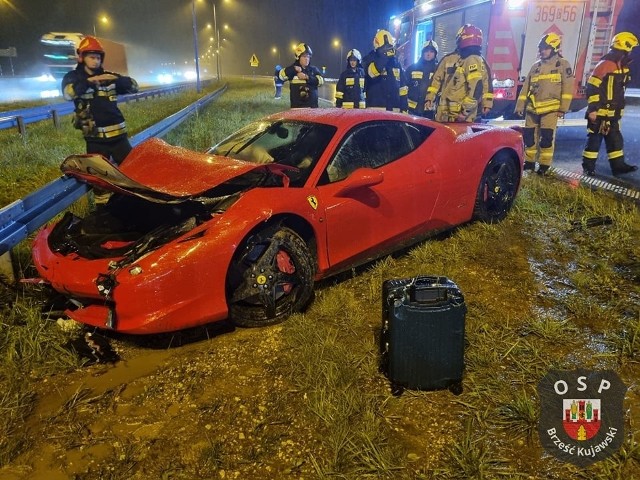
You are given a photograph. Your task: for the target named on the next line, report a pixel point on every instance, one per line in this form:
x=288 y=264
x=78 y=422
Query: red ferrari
x=243 y=230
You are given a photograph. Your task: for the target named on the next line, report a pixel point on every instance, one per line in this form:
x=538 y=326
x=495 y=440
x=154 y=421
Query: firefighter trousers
x=609 y=131
x=539 y=137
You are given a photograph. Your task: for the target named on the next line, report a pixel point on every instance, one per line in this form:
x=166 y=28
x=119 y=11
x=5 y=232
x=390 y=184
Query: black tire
x=270 y=277
x=497 y=189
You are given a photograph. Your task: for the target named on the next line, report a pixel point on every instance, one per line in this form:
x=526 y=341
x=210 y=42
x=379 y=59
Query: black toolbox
x=422 y=339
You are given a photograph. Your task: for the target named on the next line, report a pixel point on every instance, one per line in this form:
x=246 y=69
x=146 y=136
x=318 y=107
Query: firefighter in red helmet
x=545 y=96
x=605 y=93
x=462 y=80
x=94 y=93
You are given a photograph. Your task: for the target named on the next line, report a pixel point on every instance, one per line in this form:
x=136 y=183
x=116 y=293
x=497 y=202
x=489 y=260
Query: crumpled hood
x=161 y=172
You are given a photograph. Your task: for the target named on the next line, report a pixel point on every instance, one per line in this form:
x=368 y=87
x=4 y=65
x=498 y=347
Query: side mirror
x=360 y=178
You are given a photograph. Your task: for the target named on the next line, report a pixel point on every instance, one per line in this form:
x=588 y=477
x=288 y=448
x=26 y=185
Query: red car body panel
x=182 y=283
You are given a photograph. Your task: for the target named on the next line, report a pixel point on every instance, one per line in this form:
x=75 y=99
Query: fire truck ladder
x=601 y=33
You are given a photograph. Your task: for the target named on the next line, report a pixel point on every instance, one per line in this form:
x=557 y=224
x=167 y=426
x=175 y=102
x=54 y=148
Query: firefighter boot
x=529 y=166
x=542 y=170
x=619 y=167
x=589 y=167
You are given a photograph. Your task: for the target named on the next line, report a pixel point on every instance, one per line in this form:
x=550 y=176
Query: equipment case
x=422 y=339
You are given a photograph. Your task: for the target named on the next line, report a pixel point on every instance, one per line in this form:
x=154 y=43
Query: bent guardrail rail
x=23 y=217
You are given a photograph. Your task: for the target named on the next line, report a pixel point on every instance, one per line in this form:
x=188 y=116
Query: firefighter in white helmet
x=304 y=78
x=462 y=80
x=545 y=96
x=419 y=78
x=385 y=85
x=605 y=94
x=350 y=86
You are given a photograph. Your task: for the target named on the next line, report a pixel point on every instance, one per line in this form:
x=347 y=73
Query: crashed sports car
x=243 y=230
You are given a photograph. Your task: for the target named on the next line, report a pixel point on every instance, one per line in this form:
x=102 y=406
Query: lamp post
x=103 y=19
x=195 y=44
x=337 y=43
x=216 y=32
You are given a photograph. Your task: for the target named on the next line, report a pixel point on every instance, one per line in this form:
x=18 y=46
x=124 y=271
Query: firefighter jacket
x=464 y=84
x=548 y=87
x=418 y=79
x=607 y=84
x=350 y=88
x=304 y=93
x=96 y=109
x=385 y=86
x=277 y=81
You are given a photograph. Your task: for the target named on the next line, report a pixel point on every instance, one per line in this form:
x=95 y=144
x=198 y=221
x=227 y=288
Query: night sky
x=161 y=31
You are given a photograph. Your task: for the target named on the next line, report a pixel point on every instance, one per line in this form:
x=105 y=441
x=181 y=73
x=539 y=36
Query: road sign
x=8 y=52
x=254 y=60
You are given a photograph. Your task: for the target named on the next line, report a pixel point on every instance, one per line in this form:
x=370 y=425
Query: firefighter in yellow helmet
x=385 y=86
x=545 y=96
x=304 y=78
x=462 y=80
x=94 y=93
x=605 y=96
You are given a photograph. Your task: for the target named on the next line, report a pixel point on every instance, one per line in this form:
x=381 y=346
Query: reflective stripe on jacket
x=548 y=87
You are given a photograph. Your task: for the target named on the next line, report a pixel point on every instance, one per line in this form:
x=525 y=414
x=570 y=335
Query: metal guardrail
x=25 y=216
x=20 y=118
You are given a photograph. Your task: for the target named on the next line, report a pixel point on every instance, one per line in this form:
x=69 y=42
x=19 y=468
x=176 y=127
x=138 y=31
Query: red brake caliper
x=285 y=265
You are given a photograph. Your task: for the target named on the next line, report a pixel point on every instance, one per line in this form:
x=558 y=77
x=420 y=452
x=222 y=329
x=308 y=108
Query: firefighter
x=419 y=78
x=463 y=80
x=94 y=93
x=545 y=96
x=385 y=86
x=605 y=94
x=350 y=87
x=304 y=77
x=277 y=83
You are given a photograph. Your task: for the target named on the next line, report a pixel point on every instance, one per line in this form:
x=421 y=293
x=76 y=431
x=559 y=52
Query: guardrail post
x=21 y=125
x=56 y=119
x=6 y=267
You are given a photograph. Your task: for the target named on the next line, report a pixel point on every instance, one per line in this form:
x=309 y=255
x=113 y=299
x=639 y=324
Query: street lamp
x=102 y=19
x=337 y=43
x=217 y=35
x=195 y=44
x=276 y=51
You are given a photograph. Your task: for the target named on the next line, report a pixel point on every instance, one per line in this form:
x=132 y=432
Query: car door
x=379 y=188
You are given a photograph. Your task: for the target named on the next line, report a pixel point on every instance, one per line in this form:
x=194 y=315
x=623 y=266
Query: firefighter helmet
x=430 y=44
x=89 y=45
x=301 y=49
x=469 y=36
x=355 y=54
x=383 y=39
x=550 y=40
x=625 y=41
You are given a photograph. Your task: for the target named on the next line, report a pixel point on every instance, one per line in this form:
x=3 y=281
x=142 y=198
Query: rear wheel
x=497 y=189
x=270 y=277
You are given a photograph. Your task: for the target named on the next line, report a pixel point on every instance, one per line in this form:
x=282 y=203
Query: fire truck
x=59 y=50
x=512 y=30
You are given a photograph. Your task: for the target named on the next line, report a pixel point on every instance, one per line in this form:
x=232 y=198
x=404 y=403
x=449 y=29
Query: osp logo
x=581 y=415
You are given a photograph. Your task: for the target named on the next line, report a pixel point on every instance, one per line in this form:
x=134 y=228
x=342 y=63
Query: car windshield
x=297 y=144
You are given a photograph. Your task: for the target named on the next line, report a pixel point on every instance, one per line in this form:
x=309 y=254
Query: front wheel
x=271 y=276
x=497 y=189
